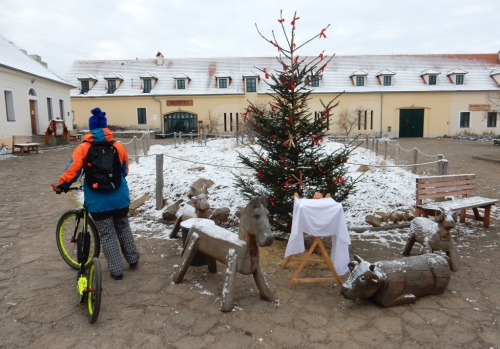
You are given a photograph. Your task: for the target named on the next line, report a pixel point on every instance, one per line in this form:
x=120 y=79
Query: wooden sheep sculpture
x=397 y=282
x=200 y=202
x=435 y=236
x=239 y=252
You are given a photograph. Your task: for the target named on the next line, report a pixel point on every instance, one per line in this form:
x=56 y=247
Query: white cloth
x=320 y=217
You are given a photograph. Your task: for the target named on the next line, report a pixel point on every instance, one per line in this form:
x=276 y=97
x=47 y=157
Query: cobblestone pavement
x=38 y=307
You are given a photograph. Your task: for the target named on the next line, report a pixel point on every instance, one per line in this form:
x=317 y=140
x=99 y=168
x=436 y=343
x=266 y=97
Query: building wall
x=20 y=84
x=441 y=110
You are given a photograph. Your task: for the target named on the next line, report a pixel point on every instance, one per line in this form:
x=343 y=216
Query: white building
x=31 y=95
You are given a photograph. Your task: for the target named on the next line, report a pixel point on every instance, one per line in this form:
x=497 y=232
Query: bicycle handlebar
x=59 y=191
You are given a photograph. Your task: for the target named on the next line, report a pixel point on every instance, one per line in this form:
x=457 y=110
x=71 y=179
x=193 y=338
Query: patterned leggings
x=110 y=230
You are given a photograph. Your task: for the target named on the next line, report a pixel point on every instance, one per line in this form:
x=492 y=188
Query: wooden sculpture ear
x=357 y=258
x=263 y=200
x=352 y=265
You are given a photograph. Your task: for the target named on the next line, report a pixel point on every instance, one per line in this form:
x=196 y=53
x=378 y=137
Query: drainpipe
x=381 y=107
x=161 y=115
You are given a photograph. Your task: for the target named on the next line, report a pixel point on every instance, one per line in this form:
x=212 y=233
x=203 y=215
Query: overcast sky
x=61 y=31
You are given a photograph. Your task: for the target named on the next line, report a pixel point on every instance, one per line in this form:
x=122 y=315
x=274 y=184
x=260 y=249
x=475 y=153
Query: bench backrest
x=441 y=186
x=19 y=139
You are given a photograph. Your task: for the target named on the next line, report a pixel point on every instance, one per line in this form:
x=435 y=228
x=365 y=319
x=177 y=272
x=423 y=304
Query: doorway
x=179 y=122
x=33 y=117
x=411 y=123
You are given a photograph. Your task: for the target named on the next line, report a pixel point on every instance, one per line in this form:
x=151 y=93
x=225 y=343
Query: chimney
x=159 y=58
x=38 y=59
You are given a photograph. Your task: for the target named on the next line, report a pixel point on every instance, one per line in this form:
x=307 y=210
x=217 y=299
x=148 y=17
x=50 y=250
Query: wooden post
x=439 y=166
x=415 y=156
x=135 y=149
x=366 y=140
x=385 y=150
x=175 y=142
x=145 y=146
x=205 y=136
x=159 y=181
x=373 y=143
x=445 y=167
x=398 y=150
x=376 y=147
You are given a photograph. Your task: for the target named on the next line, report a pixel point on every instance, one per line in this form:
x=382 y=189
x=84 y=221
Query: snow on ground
x=387 y=189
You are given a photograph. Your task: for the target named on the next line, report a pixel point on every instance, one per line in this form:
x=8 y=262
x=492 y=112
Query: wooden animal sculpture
x=391 y=283
x=432 y=235
x=201 y=205
x=239 y=252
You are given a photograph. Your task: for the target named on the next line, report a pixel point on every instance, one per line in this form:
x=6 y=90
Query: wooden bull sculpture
x=239 y=252
x=199 y=200
x=397 y=282
x=434 y=236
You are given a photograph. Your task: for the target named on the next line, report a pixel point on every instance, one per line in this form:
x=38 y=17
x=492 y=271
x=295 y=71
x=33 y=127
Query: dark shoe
x=117 y=277
x=133 y=265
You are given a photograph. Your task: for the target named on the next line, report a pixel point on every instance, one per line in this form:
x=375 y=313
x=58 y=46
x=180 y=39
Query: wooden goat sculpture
x=200 y=202
x=432 y=235
x=239 y=252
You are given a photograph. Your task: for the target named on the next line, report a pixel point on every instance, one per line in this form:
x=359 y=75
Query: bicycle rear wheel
x=94 y=287
x=68 y=227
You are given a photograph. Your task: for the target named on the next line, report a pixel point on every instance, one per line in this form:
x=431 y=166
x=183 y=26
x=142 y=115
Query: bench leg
x=486 y=219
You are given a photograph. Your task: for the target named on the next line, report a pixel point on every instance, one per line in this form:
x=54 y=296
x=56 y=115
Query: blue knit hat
x=98 y=119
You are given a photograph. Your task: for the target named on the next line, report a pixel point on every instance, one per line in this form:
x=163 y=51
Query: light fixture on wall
x=32 y=81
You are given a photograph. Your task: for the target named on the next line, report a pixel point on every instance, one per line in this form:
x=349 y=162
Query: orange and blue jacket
x=98 y=201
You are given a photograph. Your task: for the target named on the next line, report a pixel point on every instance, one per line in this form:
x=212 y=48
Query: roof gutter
x=161 y=115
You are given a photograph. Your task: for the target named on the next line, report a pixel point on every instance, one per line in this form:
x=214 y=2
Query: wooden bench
x=23 y=144
x=73 y=136
x=452 y=185
x=496 y=142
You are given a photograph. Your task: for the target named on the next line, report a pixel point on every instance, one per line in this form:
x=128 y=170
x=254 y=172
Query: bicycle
x=76 y=236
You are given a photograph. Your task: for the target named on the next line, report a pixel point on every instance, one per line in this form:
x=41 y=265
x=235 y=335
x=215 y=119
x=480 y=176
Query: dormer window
x=457 y=76
x=222 y=83
x=251 y=85
x=459 y=79
x=113 y=82
x=495 y=74
x=181 y=81
x=86 y=83
x=358 y=78
x=430 y=76
x=315 y=81
x=222 y=80
x=385 y=77
x=148 y=81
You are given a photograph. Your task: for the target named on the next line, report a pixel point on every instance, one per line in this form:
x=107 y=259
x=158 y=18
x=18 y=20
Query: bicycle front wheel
x=68 y=227
x=94 y=288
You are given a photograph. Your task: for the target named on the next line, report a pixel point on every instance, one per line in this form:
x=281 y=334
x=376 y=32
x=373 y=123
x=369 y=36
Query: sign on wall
x=479 y=107
x=180 y=103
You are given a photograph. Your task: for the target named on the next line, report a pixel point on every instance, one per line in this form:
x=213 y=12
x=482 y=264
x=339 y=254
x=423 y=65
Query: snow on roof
x=456 y=71
x=113 y=76
x=87 y=77
x=385 y=72
x=148 y=75
x=12 y=57
x=336 y=77
x=359 y=73
x=430 y=72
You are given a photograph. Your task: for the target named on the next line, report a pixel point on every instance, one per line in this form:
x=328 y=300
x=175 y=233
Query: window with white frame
x=465 y=119
x=141 y=116
x=222 y=83
x=147 y=86
x=49 y=108
x=360 y=81
x=85 y=87
x=9 y=105
x=181 y=84
x=251 y=84
x=459 y=79
x=61 y=109
x=491 y=119
x=111 y=86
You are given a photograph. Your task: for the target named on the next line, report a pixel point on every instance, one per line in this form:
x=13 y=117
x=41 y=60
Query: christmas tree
x=289 y=156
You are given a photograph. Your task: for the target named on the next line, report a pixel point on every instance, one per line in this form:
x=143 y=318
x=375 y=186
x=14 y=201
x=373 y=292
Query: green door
x=411 y=123
x=179 y=122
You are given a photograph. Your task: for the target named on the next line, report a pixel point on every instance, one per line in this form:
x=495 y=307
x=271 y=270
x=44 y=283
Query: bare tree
x=494 y=99
x=213 y=123
x=348 y=120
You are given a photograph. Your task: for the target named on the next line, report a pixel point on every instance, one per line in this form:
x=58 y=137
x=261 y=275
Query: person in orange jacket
x=108 y=208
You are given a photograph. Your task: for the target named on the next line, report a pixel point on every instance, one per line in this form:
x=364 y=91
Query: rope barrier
x=431 y=156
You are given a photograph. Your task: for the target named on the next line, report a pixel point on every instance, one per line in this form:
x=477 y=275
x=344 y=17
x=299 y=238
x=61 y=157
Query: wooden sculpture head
x=254 y=222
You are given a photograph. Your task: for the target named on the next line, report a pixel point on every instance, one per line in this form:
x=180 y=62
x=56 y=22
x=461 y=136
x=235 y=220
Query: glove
x=61 y=189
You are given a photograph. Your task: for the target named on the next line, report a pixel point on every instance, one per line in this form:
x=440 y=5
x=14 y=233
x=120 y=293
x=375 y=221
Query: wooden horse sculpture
x=239 y=252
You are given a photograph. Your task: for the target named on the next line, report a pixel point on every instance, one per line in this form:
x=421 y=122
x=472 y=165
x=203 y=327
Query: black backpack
x=102 y=166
